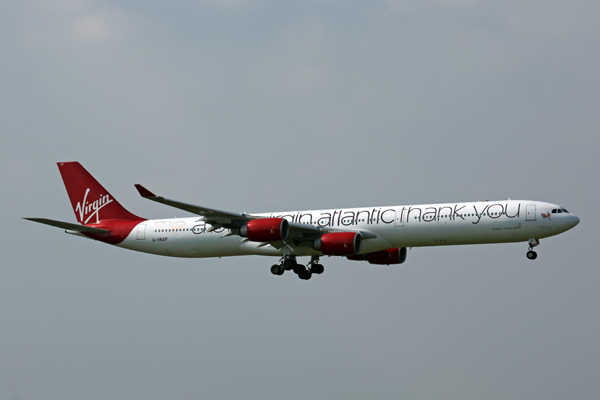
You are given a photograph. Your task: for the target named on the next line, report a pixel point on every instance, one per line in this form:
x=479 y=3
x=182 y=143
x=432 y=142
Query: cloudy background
x=268 y=106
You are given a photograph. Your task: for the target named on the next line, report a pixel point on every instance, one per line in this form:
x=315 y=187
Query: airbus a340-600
x=377 y=235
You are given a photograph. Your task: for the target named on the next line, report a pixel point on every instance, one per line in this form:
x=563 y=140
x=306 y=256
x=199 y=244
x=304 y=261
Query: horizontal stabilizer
x=68 y=225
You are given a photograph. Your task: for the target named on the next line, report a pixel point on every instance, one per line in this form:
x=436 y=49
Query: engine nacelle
x=383 y=257
x=266 y=229
x=387 y=257
x=357 y=257
x=339 y=243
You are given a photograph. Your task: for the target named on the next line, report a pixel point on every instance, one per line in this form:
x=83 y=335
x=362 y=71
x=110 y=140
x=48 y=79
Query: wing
x=231 y=220
x=216 y=218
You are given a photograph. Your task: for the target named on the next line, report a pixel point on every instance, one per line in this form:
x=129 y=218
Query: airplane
x=377 y=235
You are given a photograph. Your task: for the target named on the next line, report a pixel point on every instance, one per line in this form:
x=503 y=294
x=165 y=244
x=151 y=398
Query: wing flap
x=303 y=232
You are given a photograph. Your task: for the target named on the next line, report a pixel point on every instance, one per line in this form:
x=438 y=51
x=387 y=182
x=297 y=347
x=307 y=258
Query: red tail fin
x=91 y=202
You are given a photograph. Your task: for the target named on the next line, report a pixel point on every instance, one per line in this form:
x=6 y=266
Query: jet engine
x=265 y=229
x=383 y=257
x=339 y=243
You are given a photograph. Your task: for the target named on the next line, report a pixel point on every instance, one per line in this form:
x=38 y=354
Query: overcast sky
x=262 y=106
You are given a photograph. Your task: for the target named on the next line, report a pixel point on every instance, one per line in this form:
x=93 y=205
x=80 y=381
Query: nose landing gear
x=532 y=255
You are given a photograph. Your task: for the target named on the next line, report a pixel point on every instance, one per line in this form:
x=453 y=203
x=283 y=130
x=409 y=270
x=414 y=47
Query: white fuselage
x=397 y=226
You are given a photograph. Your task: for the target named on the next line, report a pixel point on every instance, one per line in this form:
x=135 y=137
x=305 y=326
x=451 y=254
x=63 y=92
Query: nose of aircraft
x=573 y=221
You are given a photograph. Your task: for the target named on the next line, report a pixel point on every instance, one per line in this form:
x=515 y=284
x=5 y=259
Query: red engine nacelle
x=383 y=257
x=266 y=229
x=339 y=243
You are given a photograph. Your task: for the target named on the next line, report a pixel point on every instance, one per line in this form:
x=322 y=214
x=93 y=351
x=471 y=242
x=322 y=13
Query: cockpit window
x=564 y=210
x=554 y=211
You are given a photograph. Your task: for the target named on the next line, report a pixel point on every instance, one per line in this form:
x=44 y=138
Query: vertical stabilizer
x=91 y=202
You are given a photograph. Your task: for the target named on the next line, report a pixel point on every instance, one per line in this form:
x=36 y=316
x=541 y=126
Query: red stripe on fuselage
x=119 y=230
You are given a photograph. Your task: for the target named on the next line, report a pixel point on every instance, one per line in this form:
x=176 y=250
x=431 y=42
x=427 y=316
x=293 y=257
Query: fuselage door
x=530 y=212
x=399 y=218
x=141 y=231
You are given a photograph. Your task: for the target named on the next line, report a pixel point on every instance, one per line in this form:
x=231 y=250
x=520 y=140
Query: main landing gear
x=532 y=255
x=304 y=272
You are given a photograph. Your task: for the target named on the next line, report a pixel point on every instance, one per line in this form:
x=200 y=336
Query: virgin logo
x=87 y=210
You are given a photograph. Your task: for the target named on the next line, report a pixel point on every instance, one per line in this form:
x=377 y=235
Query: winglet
x=143 y=191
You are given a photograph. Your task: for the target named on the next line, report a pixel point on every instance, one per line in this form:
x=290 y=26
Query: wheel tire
x=276 y=269
x=532 y=255
x=305 y=276
x=289 y=264
x=301 y=271
x=317 y=268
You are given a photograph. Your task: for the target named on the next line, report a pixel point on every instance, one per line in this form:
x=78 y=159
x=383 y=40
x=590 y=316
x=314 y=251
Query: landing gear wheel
x=317 y=268
x=289 y=264
x=303 y=272
x=532 y=255
x=276 y=269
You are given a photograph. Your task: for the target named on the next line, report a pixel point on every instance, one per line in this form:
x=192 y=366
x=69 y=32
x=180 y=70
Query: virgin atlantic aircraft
x=378 y=235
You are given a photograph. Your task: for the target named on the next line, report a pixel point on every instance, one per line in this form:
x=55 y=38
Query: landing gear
x=303 y=272
x=532 y=255
x=315 y=267
x=277 y=269
x=289 y=263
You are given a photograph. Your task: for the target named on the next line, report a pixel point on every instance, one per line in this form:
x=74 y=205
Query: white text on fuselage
x=461 y=212
x=405 y=214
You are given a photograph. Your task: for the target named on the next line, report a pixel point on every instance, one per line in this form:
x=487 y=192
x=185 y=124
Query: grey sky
x=268 y=106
